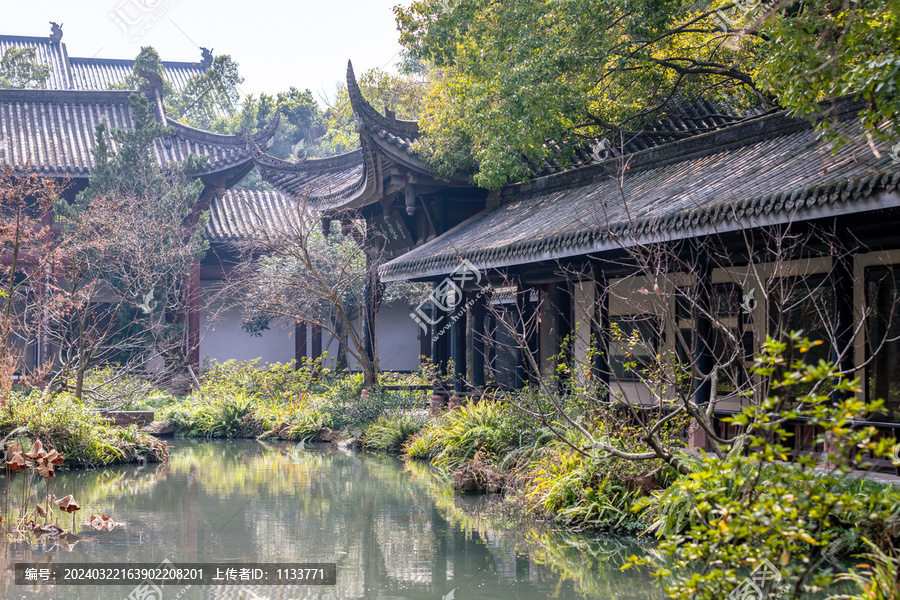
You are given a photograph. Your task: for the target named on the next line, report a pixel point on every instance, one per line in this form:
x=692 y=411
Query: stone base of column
x=437 y=404
x=455 y=402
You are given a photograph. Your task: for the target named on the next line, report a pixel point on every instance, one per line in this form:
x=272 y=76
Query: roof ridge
x=741 y=133
x=370 y=116
x=309 y=165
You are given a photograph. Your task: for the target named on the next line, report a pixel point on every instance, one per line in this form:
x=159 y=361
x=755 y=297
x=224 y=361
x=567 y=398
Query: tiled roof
x=394 y=136
x=764 y=170
x=239 y=214
x=101 y=73
x=321 y=182
x=52 y=54
x=53 y=131
x=676 y=120
x=72 y=73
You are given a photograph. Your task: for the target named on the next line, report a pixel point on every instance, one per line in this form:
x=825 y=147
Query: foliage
x=346 y=406
x=533 y=79
x=578 y=490
x=753 y=505
x=25 y=204
x=275 y=382
x=19 y=68
x=76 y=430
x=878 y=578
x=390 y=431
x=206 y=97
x=241 y=399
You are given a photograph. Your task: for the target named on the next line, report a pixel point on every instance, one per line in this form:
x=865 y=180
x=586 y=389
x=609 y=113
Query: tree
x=301 y=120
x=147 y=60
x=207 y=101
x=19 y=68
x=125 y=253
x=25 y=259
x=512 y=77
x=209 y=97
x=294 y=271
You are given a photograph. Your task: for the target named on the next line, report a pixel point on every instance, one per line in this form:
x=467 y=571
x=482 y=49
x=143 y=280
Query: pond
x=395 y=531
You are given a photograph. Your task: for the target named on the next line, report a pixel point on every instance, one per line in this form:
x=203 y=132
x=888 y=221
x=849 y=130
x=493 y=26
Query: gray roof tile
x=768 y=165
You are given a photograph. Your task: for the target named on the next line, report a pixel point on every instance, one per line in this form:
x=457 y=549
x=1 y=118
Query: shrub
x=733 y=513
x=391 y=431
x=76 y=430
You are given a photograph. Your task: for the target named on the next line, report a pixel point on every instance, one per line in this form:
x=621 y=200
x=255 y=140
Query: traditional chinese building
x=712 y=188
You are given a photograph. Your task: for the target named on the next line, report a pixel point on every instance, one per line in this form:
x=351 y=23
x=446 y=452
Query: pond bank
x=74 y=429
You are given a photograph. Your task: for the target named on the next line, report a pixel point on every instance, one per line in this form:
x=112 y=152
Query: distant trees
x=512 y=76
x=19 y=68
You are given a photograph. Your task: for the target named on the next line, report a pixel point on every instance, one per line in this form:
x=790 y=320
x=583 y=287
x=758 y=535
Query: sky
x=277 y=43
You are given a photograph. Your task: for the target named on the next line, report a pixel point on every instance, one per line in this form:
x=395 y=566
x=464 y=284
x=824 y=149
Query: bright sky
x=278 y=43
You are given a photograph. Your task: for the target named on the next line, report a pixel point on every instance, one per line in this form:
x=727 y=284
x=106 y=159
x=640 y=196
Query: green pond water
x=393 y=530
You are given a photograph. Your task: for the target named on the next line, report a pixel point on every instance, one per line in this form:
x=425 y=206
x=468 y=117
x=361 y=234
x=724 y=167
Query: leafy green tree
x=207 y=101
x=147 y=60
x=514 y=75
x=301 y=120
x=19 y=68
x=209 y=97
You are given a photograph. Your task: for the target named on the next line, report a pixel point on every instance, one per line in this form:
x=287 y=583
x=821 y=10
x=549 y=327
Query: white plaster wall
x=222 y=338
x=398 y=338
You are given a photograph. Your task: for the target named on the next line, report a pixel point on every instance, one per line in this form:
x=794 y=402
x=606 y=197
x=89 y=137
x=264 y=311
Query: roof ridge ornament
x=207 y=59
x=56 y=32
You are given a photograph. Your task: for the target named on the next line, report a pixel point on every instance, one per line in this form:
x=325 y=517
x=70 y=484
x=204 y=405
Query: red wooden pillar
x=193 y=302
x=193 y=284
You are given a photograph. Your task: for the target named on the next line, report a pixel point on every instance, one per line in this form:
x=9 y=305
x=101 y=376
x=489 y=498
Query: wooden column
x=458 y=346
x=527 y=327
x=562 y=325
x=600 y=329
x=299 y=344
x=841 y=281
x=425 y=344
x=479 y=307
x=440 y=346
x=192 y=351
x=703 y=329
x=193 y=301
x=315 y=349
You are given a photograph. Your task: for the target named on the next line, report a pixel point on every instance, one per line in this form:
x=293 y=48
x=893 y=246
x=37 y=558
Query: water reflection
x=394 y=530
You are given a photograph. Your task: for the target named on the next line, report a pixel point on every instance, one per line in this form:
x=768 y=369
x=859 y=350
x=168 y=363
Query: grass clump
x=391 y=431
x=241 y=399
x=493 y=445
